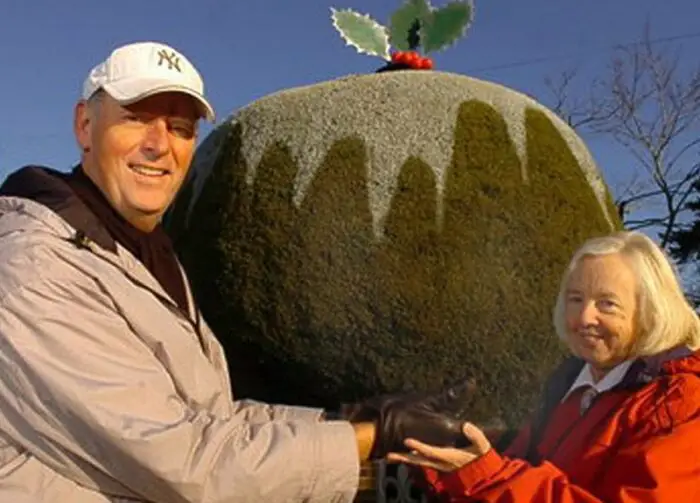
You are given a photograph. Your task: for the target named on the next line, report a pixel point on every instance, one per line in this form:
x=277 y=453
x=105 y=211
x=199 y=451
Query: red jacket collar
x=674 y=361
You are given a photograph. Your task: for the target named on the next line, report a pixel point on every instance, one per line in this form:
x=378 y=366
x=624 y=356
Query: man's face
x=138 y=155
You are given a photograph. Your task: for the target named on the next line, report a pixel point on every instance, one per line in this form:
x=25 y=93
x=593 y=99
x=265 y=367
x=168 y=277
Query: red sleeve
x=659 y=469
x=518 y=446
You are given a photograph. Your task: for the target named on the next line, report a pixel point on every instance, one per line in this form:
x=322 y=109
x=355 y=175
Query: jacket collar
x=49 y=188
x=611 y=380
x=646 y=369
x=43 y=194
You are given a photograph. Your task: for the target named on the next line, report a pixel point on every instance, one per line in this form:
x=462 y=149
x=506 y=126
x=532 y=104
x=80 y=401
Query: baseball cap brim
x=130 y=91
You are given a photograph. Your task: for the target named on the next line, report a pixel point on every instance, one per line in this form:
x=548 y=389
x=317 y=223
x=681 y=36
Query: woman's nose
x=588 y=314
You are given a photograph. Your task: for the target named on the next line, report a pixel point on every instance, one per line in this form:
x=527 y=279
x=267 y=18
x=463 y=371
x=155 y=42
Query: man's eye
x=183 y=130
x=133 y=118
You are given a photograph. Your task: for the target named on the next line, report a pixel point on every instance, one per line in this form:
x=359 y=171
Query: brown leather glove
x=435 y=419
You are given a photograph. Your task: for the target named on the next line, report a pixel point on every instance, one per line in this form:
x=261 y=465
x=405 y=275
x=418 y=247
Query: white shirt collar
x=611 y=379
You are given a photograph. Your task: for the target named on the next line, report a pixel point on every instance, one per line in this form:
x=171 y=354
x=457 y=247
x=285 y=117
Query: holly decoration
x=362 y=32
x=415 y=26
x=412 y=59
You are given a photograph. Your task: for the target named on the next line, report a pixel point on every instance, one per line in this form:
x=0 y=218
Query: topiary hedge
x=387 y=232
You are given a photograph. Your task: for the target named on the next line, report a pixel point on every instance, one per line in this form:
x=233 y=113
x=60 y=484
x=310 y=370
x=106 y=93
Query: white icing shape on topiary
x=375 y=108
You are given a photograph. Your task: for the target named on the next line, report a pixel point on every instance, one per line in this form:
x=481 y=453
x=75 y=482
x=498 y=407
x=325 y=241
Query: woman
x=620 y=419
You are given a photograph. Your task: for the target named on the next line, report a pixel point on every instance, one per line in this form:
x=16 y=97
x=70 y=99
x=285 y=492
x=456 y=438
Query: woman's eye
x=607 y=304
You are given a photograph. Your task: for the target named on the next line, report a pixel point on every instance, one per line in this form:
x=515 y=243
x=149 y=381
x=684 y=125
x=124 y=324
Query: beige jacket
x=108 y=394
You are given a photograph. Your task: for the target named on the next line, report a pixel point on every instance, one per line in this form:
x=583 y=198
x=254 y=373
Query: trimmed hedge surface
x=314 y=307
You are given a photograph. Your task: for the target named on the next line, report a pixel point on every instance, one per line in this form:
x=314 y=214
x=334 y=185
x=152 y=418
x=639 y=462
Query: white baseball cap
x=135 y=71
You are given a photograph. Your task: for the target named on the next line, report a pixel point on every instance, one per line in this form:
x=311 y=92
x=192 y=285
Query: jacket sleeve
x=259 y=411
x=659 y=468
x=89 y=400
x=253 y=409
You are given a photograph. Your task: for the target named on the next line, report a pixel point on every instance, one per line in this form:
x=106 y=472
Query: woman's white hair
x=665 y=319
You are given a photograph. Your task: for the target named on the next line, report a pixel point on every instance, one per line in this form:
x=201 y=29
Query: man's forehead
x=169 y=103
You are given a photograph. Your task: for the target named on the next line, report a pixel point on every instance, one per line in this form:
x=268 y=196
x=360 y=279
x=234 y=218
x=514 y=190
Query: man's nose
x=155 y=143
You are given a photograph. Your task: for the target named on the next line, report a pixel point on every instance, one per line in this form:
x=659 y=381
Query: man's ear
x=82 y=125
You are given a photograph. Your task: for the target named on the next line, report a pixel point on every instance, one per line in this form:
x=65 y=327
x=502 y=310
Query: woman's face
x=600 y=311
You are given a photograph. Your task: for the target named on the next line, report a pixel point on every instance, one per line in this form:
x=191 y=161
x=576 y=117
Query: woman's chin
x=595 y=354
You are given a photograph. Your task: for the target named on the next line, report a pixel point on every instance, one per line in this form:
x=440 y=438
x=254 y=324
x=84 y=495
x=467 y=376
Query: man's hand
x=365 y=433
x=417 y=421
x=432 y=418
x=452 y=400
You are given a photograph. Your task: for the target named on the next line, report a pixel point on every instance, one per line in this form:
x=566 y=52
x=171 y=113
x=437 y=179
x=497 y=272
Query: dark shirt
x=154 y=249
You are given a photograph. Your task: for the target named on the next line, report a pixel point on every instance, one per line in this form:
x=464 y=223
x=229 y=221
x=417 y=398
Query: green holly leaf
x=362 y=32
x=405 y=24
x=444 y=26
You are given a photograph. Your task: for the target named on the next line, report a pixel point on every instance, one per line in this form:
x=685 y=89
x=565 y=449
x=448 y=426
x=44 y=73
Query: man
x=113 y=387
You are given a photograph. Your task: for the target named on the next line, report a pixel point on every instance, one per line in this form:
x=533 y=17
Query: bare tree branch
x=648 y=105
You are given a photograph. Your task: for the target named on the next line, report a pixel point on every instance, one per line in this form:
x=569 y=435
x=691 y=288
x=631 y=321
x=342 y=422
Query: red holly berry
x=411 y=58
x=397 y=56
x=403 y=57
x=426 y=63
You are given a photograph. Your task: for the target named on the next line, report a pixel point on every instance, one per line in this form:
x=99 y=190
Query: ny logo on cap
x=172 y=59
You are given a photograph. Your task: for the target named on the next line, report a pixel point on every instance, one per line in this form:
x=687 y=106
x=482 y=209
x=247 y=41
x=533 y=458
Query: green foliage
x=313 y=309
x=416 y=23
x=405 y=24
x=444 y=26
x=362 y=32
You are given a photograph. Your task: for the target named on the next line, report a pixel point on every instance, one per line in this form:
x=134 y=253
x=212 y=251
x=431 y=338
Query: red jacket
x=639 y=442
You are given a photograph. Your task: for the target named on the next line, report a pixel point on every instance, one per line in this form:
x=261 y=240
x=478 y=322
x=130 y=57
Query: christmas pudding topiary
x=389 y=231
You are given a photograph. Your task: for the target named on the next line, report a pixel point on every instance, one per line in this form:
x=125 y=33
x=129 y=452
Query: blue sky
x=245 y=50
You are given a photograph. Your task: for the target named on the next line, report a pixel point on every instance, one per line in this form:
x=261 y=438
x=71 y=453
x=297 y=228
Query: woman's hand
x=445 y=459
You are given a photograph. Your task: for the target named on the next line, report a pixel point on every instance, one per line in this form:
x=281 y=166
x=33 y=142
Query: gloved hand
x=435 y=419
